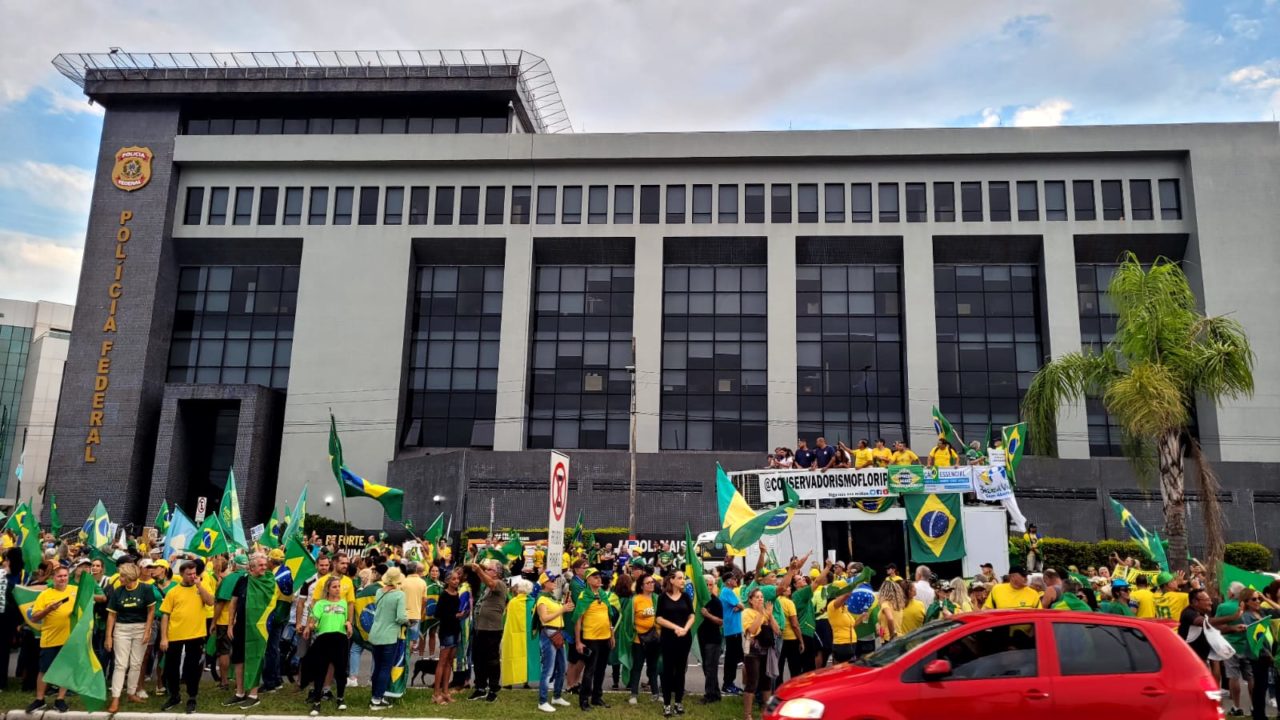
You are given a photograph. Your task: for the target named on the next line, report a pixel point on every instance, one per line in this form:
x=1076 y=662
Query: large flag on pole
x=210 y=539
x=179 y=534
x=937 y=528
x=27 y=531
x=1149 y=541
x=271 y=535
x=298 y=517
x=229 y=515
x=1232 y=574
x=435 y=530
x=742 y=527
x=162 y=519
x=100 y=528
x=943 y=429
x=352 y=485
x=260 y=600
x=697 y=576
x=76 y=666
x=298 y=561
x=1015 y=441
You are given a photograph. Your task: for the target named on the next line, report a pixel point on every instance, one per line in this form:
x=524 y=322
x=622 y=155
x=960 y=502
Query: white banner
x=991 y=483
x=557 y=506
x=954 y=479
x=256 y=532
x=823 y=484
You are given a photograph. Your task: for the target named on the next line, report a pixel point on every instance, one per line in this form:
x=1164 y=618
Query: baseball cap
x=1119 y=583
x=545 y=578
x=1164 y=578
x=161 y=564
x=1018 y=570
x=986 y=565
x=814 y=572
x=276 y=554
x=590 y=572
x=145 y=563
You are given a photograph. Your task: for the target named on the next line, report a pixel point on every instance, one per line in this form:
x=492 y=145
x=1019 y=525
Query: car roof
x=985 y=615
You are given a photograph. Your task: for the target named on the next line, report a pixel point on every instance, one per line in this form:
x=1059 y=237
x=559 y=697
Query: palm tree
x=1165 y=354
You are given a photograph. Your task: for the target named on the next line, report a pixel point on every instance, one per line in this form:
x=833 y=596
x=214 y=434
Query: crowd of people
x=472 y=623
x=824 y=456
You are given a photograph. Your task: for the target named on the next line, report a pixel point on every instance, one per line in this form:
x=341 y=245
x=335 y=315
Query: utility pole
x=631 y=490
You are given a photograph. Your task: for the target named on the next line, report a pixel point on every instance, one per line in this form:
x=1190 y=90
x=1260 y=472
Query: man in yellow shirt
x=52 y=611
x=863 y=457
x=339 y=567
x=594 y=634
x=942 y=455
x=1170 y=602
x=1145 y=599
x=182 y=634
x=881 y=455
x=903 y=455
x=1013 y=595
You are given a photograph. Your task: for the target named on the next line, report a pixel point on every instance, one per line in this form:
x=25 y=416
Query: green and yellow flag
x=875 y=506
x=579 y=534
x=434 y=531
x=210 y=539
x=352 y=485
x=229 y=515
x=260 y=601
x=99 y=527
x=1015 y=441
x=937 y=529
x=513 y=548
x=76 y=666
x=1149 y=541
x=1259 y=636
x=296 y=558
x=271 y=534
x=26 y=531
x=943 y=429
x=742 y=527
x=162 y=518
x=1069 y=601
x=1231 y=573
x=298 y=517
x=696 y=575
x=26 y=596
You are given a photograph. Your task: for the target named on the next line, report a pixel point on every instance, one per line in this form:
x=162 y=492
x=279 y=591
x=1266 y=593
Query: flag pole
x=342 y=490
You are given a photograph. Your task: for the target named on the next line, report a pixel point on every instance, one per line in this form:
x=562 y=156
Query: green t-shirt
x=805 y=612
x=330 y=616
x=1115 y=608
x=867 y=630
x=130 y=606
x=1237 y=639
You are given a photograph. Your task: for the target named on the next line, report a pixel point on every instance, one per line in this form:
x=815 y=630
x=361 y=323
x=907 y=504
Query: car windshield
x=894 y=649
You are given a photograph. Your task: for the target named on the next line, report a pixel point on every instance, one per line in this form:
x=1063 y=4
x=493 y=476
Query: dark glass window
x=598 y=204
x=469 y=206
x=1170 y=200
x=861 y=205
x=1085 y=649
x=520 y=204
x=344 y=126
x=650 y=198
x=444 y=205
x=419 y=205
x=369 y=205
x=234 y=325
x=368 y=126
x=917 y=203
x=15 y=349
x=849 y=366
x=944 y=202
x=395 y=126
x=999 y=195
x=807 y=203
x=393 y=207
x=833 y=206
x=1082 y=194
x=197 y=127
x=1112 y=200
x=246 y=126
x=1028 y=201
x=270 y=126
x=754 y=203
x=571 y=210
x=343 y=200
x=470 y=125
x=419 y=125
x=493 y=125
x=1097 y=328
x=295 y=126
x=268 y=204
x=624 y=204
x=701 y=204
x=988 y=339
x=1055 y=200
x=994 y=653
x=293 y=206
x=453 y=368
x=320 y=126
x=675 y=204
x=580 y=389
x=444 y=126
x=971 y=201
x=1140 y=199
x=888 y=202
x=546 y=204
x=780 y=203
x=218 y=199
x=194 y=206
x=244 y=207
x=727 y=204
x=714 y=358
x=495 y=201
x=318 y=211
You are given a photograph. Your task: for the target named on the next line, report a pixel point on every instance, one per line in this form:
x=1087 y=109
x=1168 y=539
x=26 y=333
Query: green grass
x=417 y=703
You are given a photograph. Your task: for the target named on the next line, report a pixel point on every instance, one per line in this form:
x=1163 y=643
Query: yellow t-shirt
x=843 y=623
x=906 y=457
x=1146 y=603
x=862 y=457
x=348 y=589
x=1004 y=597
x=185 y=609
x=595 y=621
x=943 y=457
x=56 y=626
x=788 y=612
x=911 y=617
x=646 y=614
x=883 y=457
x=1170 y=604
x=210 y=582
x=551 y=605
x=415 y=591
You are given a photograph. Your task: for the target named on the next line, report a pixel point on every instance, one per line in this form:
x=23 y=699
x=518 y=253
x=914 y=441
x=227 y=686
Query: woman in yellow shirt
x=892 y=602
x=760 y=633
x=942 y=455
x=911 y=616
x=792 y=640
x=646 y=647
x=551 y=616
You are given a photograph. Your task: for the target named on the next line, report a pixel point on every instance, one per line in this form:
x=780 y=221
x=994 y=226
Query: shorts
x=414 y=631
x=571 y=652
x=1238 y=667
x=46 y=657
x=448 y=641
x=237 y=646
x=823 y=630
x=753 y=670
x=222 y=643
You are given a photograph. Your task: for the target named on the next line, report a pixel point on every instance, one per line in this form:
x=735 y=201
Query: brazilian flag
x=1015 y=441
x=209 y=539
x=1069 y=601
x=352 y=485
x=364 y=610
x=260 y=601
x=1259 y=636
x=162 y=518
x=944 y=430
x=875 y=506
x=77 y=667
x=937 y=531
x=1149 y=541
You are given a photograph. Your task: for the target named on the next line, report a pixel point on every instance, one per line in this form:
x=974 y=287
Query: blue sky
x=660 y=65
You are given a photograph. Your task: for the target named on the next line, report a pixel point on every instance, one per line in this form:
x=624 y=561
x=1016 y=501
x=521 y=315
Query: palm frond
x=1062 y=380
x=1156 y=309
x=1147 y=400
x=1222 y=359
x=1214 y=532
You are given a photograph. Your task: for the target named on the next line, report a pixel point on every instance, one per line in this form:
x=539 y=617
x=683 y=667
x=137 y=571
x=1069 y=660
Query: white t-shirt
x=924 y=593
x=995 y=456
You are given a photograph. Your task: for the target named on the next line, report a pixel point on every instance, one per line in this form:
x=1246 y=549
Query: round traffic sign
x=559 y=490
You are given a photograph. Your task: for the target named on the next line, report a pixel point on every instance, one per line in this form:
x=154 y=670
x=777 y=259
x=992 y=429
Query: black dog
x=423 y=667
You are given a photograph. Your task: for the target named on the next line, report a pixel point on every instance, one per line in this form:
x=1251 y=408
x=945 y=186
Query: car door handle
x=1034 y=694
x=1153 y=692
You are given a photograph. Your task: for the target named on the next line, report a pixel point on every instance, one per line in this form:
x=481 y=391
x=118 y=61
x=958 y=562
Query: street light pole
x=631 y=490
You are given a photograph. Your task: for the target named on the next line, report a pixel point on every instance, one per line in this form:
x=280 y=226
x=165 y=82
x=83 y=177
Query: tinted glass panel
x=244 y=206
x=444 y=206
x=888 y=202
x=971 y=201
x=598 y=204
x=780 y=203
x=1112 y=200
x=1103 y=650
x=861 y=202
x=419 y=202
x=754 y=203
x=917 y=203
x=1140 y=199
x=1082 y=192
x=624 y=204
x=675 y=204
x=469 y=206
x=1170 y=200
x=650 y=198
x=727 y=207
x=318 y=210
x=1006 y=651
x=572 y=208
x=218 y=199
x=944 y=202
x=1028 y=201
x=393 y=213
x=1055 y=200
x=344 y=199
x=999 y=192
x=701 y=203
x=293 y=206
x=494 y=204
x=194 y=206
x=546 y=204
x=833 y=203
x=369 y=205
x=520 y=204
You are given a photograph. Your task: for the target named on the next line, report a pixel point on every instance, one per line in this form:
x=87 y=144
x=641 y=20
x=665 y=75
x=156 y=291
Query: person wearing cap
x=1171 y=601
x=1119 y=602
x=129 y=615
x=732 y=608
x=550 y=628
x=977 y=593
x=594 y=611
x=1015 y=594
x=390 y=617
x=987 y=574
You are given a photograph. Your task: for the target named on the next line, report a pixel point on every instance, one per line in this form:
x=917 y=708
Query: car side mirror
x=937 y=669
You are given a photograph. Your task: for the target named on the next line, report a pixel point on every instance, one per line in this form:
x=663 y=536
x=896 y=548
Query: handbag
x=557 y=640
x=1219 y=648
x=649 y=638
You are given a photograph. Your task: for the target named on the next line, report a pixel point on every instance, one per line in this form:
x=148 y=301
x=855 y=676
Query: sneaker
x=60 y=705
x=561 y=702
x=36 y=705
x=171 y=703
x=477 y=695
x=235 y=700
x=328 y=694
x=491 y=697
x=732 y=690
x=315 y=710
x=191 y=706
x=351 y=681
x=632 y=700
x=584 y=708
x=546 y=707
x=600 y=704
x=376 y=704
x=656 y=698
x=342 y=704
x=1235 y=712
x=250 y=701
x=666 y=711
x=141 y=695
x=273 y=688
x=679 y=708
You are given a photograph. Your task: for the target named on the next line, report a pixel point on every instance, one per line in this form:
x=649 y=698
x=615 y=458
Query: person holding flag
x=247 y=603
x=52 y=612
x=1259 y=615
x=183 y=628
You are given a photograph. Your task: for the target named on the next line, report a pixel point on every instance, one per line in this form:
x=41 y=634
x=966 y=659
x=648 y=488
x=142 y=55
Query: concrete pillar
x=921 y=338
x=781 y=252
x=646 y=326
x=1062 y=334
x=513 y=357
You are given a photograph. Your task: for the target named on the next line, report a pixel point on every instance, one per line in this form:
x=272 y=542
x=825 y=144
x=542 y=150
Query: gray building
x=415 y=242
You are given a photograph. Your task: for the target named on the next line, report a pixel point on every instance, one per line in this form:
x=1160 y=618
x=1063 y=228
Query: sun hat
x=392 y=577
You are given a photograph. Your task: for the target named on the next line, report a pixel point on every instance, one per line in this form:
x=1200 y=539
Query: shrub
x=1059 y=553
x=1248 y=555
x=323 y=526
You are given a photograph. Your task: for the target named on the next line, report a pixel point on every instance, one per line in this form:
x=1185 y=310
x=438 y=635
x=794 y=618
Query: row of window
x=677 y=204
x=345 y=126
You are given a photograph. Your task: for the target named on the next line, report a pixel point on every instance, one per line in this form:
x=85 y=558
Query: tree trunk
x=1172 y=493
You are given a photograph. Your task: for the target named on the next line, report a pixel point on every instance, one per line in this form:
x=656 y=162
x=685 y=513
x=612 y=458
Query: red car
x=1013 y=664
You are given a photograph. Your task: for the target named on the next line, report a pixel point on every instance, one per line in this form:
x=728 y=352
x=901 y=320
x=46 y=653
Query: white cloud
x=1049 y=112
x=64 y=104
x=1265 y=76
x=990 y=118
x=1247 y=28
x=39 y=268
x=64 y=187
